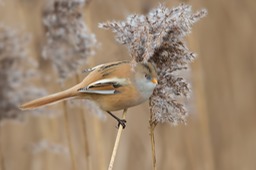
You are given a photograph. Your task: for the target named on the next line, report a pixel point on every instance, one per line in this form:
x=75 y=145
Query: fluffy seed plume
x=16 y=72
x=68 y=41
x=158 y=38
x=45 y=145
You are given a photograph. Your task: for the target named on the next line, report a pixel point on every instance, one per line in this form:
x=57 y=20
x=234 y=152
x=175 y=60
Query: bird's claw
x=121 y=122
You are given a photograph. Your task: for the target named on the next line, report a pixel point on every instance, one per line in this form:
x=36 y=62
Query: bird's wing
x=105 y=66
x=92 y=69
x=104 y=86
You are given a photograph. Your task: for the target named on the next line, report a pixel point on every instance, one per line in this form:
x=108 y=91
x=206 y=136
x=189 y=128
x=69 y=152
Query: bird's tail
x=56 y=97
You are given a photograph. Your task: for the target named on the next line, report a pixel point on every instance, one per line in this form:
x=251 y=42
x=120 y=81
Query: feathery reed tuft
x=68 y=41
x=16 y=72
x=158 y=38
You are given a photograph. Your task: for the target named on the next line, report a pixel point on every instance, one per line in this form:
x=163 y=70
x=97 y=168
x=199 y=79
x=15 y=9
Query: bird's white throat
x=145 y=88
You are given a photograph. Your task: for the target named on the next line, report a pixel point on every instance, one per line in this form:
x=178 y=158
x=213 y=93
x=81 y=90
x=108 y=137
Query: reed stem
x=85 y=136
x=69 y=137
x=1 y=154
x=152 y=139
x=118 y=136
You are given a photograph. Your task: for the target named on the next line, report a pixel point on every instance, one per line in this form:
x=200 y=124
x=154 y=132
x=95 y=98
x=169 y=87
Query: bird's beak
x=154 y=80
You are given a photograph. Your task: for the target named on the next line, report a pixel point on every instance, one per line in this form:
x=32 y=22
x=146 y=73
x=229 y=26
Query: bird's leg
x=120 y=121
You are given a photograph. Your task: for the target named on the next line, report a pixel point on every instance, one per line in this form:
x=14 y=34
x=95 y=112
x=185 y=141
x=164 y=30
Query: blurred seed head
x=16 y=71
x=45 y=145
x=158 y=38
x=68 y=41
x=89 y=107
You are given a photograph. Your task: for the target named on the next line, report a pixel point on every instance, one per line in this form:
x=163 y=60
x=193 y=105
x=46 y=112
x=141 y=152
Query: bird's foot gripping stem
x=120 y=121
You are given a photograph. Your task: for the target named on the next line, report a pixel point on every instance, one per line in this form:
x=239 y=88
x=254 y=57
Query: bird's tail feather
x=56 y=97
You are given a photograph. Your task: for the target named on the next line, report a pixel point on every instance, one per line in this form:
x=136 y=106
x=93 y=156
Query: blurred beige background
x=220 y=133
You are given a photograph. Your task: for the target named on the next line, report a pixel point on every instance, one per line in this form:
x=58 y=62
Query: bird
x=112 y=86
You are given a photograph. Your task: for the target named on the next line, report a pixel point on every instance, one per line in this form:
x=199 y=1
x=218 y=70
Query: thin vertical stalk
x=152 y=139
x=86 y=145
x=69 y=137
x=118 y=136
x=1 y=154
x=85 y=136
x=201 y=105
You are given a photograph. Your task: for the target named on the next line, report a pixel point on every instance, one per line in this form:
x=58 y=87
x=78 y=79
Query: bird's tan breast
x=127 y=97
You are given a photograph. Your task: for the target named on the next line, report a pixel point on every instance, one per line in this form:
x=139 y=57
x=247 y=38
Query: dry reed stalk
x=118 y=136
x=152 y=140
x=67 y=127
x=2 y=161
x=99 y=149
x=86 y=143
x=202 y=107
x=1 y=154
x=85 y=136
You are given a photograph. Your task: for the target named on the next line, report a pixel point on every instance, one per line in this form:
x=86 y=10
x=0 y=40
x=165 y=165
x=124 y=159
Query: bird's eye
x=148 y=77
